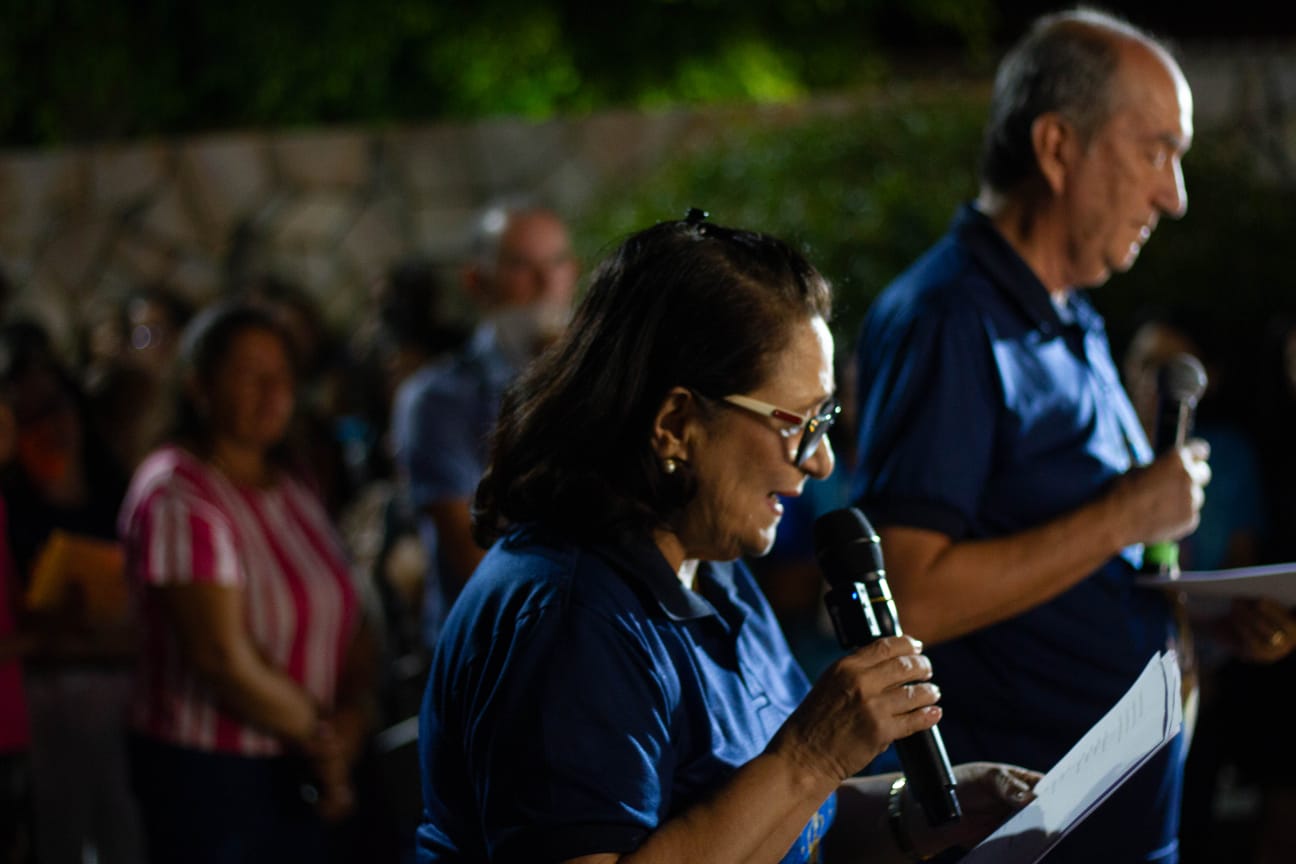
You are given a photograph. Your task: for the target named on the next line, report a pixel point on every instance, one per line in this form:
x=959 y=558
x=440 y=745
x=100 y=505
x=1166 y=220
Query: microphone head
x=847 y=547
x=1182 y=379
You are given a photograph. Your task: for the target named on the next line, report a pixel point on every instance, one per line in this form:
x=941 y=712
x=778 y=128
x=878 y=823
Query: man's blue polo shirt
x=581 y=696
x=985 y=410
x=442 y=418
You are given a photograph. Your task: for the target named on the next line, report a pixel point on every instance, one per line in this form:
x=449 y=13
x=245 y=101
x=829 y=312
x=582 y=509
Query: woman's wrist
x=810 y=777
x=352 y=723
x=315 y=732
x=898 y=822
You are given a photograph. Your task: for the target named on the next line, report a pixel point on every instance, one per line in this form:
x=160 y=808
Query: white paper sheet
x=1144 y=720
x=1268 y=580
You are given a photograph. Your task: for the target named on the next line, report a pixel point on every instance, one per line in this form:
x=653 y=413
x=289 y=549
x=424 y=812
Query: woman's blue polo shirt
x=580 y=696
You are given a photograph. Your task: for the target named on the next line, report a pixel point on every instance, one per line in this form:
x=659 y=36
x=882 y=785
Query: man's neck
x=246 y=466
x=1028 y=229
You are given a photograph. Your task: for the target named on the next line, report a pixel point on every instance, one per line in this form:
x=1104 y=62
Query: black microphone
x=1180 y=383
x=859 y=601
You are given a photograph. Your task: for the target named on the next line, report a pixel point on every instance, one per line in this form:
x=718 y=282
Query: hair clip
x=695 y=216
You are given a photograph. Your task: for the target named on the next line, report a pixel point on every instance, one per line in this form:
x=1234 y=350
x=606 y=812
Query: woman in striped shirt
x=249 y=703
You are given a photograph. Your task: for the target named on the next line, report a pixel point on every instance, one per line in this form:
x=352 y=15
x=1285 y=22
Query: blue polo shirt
x=581 y=696
x=986 y=410
x=442 y=417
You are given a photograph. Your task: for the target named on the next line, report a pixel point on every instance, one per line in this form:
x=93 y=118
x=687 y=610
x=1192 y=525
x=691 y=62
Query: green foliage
x=865 y=193
x=862 y=193
x=83 y=70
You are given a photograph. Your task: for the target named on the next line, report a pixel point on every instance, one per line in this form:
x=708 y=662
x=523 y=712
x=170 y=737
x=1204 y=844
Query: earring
x=670 y=465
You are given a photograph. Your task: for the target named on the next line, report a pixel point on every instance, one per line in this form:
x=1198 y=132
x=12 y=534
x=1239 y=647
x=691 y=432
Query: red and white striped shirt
x=183 y=521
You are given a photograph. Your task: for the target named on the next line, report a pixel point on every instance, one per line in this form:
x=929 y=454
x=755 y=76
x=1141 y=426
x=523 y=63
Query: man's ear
x=1055 y=143
x=674 y=426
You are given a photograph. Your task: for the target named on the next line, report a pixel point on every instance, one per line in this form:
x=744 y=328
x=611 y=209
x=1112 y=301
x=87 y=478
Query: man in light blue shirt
x=522 y=274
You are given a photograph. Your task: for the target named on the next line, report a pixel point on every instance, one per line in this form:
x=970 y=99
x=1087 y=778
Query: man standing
x=522 y=274
x=1008 y=474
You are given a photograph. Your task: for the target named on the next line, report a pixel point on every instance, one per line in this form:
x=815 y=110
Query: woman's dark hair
x=25 y=345
x=204 y=346
x=682 y=304
x=27 y=355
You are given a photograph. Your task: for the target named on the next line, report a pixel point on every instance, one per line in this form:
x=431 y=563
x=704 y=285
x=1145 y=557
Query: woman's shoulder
x=530 y=561
x=530 y=570
x=170 y=473
x=167 y=460
x=517 y=564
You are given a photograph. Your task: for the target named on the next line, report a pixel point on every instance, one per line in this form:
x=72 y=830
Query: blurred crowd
x=229 y=534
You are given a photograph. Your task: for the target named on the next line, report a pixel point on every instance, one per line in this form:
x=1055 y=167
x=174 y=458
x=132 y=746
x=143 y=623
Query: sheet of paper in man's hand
x=1277 y=581
x=1145 y=719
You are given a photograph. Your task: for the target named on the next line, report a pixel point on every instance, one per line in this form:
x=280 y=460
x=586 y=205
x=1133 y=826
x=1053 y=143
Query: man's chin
x=760 y=548
x=1097 y=278
x=1130 y=258
x=1104 y=272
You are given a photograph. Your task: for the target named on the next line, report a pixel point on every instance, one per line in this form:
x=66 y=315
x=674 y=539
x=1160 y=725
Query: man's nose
x=1173 y=194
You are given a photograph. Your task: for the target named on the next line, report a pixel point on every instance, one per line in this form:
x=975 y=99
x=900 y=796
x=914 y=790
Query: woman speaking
x=612 y=685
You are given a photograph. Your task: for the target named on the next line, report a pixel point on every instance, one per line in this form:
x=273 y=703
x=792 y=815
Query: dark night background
x=82 y=70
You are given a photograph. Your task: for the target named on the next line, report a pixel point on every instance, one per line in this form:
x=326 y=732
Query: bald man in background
x=522 y=275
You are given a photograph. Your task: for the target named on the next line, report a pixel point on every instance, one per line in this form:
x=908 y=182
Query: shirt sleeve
x=439 y=440
x=576 y=756
x=181 y=538
x=928 y=409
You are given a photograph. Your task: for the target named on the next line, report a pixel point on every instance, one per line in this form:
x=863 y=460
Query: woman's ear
x=674 y=426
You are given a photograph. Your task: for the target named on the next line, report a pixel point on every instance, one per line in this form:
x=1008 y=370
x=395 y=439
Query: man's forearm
x=946 y=589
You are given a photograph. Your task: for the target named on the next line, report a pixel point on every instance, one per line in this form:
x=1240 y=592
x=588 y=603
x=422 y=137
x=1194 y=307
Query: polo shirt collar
x=1015 y=278
x=483 y=351
x=642 y=563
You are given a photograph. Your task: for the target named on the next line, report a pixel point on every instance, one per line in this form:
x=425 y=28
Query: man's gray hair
x=1066 y=64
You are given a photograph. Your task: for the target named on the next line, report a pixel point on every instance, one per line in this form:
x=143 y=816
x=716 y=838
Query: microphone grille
x=1182 y=379
x=847 y=525
x=846 y=545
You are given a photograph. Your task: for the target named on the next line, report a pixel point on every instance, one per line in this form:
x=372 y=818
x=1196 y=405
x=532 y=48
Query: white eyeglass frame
x=804 y=423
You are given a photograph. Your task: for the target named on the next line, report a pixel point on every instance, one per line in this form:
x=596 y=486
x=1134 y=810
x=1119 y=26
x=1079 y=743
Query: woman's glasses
x=812 y=428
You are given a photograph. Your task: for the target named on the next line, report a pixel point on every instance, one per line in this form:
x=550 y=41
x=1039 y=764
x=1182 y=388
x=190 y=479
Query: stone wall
x=328 y=209
x=332 y=209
